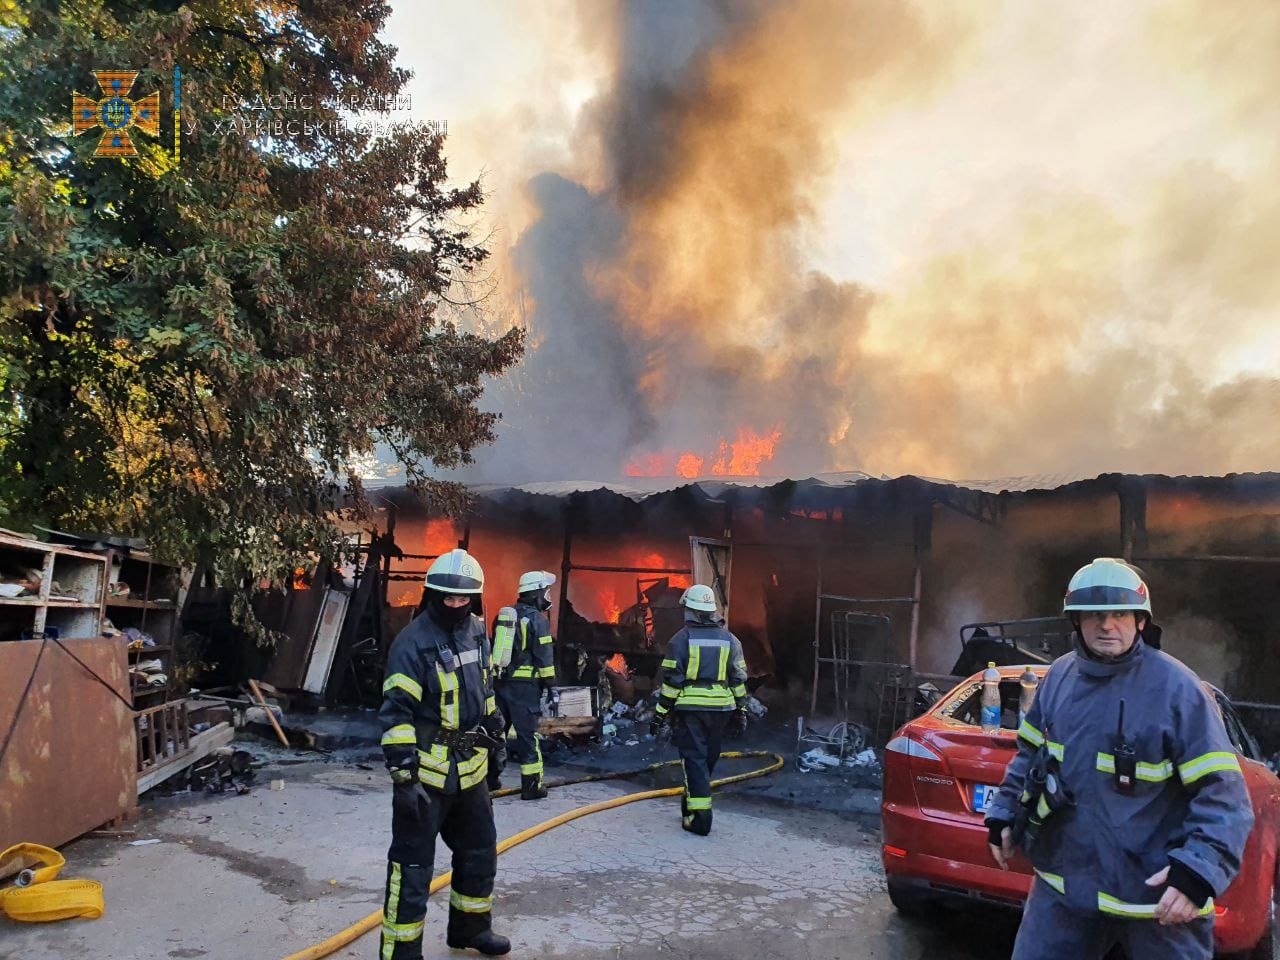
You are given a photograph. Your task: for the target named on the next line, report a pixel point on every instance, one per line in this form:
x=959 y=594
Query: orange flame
x=650 y=465
x=744 y=457
x=689 y=465
x=603 y=597
x=609 y=606
x=618 y=664
x=740 y=458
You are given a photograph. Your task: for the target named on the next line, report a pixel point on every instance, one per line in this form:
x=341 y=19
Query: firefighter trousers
x=520 y=704
x=464 y=820
x=697 y=735
x=1051 y=930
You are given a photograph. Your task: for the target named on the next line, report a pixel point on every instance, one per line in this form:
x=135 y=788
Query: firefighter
x=1151 y=815
x=526 y=649
x=703 y=679
x=438 y=713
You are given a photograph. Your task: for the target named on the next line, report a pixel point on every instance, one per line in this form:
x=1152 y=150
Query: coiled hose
x=361 y=927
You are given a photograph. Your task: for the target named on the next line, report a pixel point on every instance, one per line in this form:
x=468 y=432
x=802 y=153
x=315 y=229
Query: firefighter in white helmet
x=704 y=677
x=1145 y=817
x=525 y=652
x=439 y=720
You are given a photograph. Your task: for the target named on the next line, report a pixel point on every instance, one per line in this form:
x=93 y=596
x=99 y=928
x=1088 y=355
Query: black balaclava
x=450 y=618
x=701 y=618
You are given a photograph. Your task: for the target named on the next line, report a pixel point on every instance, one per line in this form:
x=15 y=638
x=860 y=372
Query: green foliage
x=192 y=352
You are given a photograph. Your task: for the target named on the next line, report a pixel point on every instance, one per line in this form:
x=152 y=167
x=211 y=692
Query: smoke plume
x=954 y=240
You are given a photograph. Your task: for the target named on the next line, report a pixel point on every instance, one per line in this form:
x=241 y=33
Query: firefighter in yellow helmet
x=704 y=679
x=439 y=721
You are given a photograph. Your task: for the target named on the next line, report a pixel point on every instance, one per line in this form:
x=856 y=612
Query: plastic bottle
x=1027 y=682
x=990 y=698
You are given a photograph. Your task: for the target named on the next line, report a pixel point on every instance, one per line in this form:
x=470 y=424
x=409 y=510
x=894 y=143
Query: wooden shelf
x=142 y=604
x=41 y=546
x=37 y=602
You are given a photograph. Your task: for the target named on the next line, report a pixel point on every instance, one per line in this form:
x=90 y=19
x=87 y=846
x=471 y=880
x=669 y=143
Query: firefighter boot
x=699 y=822
x=471 y=931
x=531 y=787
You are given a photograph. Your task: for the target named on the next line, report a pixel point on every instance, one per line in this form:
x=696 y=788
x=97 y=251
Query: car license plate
x=983 y=794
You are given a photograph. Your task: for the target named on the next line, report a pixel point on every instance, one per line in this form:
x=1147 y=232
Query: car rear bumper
x=948 y=857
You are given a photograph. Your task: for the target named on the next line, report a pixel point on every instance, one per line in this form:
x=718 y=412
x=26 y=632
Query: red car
x=941 y=771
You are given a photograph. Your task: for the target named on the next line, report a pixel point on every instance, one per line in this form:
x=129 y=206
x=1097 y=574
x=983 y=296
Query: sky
x=957 y=239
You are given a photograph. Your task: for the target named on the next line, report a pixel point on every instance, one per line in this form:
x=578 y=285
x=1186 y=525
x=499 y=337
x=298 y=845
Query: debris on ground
x=844 y=744
x=224 y=769
x=816 y=759
x=867 y=758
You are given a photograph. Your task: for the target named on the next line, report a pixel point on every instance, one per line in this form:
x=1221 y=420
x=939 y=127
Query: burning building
x=915 y=558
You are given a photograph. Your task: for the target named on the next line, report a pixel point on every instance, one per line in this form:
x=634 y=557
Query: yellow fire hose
x=361 y=927
x=38 y=897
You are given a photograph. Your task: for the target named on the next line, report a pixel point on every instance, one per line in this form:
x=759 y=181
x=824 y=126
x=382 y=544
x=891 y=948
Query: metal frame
x=1031 y=628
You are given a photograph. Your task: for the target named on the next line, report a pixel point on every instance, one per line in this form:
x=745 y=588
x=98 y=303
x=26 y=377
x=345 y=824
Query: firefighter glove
x=408 y=800
x=994 y=830
x=739 y=722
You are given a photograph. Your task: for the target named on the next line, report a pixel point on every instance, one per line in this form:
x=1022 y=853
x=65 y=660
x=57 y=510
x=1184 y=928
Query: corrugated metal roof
x=641 y=488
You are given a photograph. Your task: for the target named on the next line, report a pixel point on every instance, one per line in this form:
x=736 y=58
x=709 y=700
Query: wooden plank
x=569 y=725
x=202 y=744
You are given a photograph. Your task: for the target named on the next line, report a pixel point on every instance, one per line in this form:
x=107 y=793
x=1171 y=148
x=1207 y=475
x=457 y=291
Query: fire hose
x=361 y=927
x=38 y=897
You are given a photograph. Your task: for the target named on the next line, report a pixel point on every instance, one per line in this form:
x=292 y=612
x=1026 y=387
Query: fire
x=742 y=457
x=299 y=578
x=441 y=535
x=603 y=597
x=618 y=664
x=689 y=465
x=610 y=611
x=420 y=539
x=650 y=465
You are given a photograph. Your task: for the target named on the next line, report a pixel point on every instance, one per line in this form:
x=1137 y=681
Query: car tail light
x=897 y=852
x=912 y=748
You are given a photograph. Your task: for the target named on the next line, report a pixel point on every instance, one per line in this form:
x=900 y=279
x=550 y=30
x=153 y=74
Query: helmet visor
x=1105 y=597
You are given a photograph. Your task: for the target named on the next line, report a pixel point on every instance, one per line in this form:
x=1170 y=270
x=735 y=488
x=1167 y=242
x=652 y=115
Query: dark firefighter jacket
x=1189 y=809
x=532 y=656
x=436 y=682
x=704 y=669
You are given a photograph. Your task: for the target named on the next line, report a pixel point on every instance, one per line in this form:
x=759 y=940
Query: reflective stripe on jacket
x=704 y=669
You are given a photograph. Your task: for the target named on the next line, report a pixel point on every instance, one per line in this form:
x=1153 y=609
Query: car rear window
x=965 y=705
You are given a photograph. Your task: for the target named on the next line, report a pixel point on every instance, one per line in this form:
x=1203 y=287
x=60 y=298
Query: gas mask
x=539 y=601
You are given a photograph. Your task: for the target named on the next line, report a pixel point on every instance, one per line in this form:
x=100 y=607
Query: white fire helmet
x=535 y=580
x=699 y=597
x=1107 y=584
x=455 y=572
